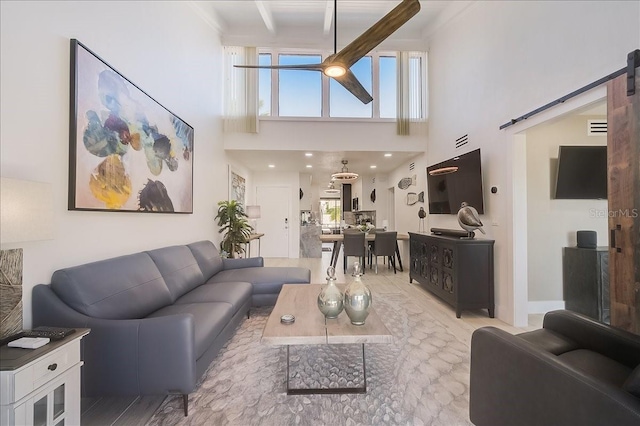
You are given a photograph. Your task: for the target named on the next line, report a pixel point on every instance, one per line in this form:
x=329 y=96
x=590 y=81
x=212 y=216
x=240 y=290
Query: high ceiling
x=303 y=23
x=309 y=24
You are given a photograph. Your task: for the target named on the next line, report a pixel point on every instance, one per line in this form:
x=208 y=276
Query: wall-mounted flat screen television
x=582 y=173
x=451 y=182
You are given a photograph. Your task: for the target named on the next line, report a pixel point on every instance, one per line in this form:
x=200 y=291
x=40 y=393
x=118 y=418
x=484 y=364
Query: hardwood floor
x=136 y=411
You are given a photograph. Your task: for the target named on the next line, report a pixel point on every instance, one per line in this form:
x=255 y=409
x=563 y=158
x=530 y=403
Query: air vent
x=596 y=127
x=461 y=141
x=412 y=166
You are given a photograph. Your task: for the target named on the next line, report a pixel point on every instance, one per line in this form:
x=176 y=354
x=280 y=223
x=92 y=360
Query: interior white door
x=274 y=222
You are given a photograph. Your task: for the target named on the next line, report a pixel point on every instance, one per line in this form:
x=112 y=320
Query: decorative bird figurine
x=469 y=220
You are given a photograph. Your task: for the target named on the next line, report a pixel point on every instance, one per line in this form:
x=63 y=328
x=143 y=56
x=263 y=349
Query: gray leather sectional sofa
x=158 y=318
x=573 y=371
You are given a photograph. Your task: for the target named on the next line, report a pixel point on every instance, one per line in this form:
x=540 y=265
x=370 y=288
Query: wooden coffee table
x=311 y=328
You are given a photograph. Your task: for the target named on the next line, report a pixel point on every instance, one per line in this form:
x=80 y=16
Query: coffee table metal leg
x=329 y=391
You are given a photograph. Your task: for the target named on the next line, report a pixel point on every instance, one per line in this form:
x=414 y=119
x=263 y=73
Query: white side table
x=42 y=386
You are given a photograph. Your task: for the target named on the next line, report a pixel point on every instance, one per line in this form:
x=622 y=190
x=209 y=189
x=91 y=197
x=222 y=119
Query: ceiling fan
x=337 y=65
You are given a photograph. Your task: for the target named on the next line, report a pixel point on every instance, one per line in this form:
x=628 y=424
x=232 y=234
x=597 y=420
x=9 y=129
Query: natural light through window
x=388 y=86
x=264 y=86
x=309 y=94
x=300 y=92
x=342 y=103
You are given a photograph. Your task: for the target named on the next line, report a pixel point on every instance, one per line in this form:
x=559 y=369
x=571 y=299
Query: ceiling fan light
x=335 y=71
x=344 y=175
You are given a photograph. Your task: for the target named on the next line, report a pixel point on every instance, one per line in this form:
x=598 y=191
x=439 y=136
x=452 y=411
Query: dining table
x=337 y=239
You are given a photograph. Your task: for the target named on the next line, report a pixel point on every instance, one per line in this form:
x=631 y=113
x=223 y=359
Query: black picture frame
x=127 y=152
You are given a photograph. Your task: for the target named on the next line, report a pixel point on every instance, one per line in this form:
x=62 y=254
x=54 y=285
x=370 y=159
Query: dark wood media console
x=459 y=271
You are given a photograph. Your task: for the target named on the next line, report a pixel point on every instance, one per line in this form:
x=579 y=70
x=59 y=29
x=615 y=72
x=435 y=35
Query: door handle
x=612 y=238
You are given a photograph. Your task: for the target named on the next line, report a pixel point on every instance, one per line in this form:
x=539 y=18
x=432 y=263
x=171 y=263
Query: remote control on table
x=53 y=333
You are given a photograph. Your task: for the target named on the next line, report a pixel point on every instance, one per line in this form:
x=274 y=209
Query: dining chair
x=371 y=244
x=385 y=245
x=353 y=245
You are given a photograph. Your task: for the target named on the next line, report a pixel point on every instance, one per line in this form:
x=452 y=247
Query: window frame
x=275 y=89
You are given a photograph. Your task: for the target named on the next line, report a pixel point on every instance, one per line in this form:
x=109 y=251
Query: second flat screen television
x=453 y=181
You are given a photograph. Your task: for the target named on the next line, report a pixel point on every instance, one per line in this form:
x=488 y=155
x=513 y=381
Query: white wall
x=499 y=60
x=164 y=48
x=301 y=135
x=561 y=218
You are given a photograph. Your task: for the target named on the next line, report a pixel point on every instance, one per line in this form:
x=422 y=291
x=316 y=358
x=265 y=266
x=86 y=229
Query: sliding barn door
x=623 y=153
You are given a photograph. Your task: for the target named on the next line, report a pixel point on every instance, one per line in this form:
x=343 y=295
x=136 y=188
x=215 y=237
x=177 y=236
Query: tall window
x=300 y=92
x=388 y=86
x=310 y=94
x=264 y=86
x=342 y=103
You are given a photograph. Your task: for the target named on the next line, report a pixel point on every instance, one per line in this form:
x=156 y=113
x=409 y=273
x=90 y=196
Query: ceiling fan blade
x=351 y=83
x=311 y=67
x=375 y=35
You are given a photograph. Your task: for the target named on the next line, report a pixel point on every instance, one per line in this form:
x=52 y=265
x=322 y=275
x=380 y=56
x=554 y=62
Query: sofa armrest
x=612 y=342
x=249 y=262
x=514 y=382
x=149 y=356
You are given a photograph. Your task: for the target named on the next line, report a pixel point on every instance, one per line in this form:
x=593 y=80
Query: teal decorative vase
x=330 y=299
x=357 y=298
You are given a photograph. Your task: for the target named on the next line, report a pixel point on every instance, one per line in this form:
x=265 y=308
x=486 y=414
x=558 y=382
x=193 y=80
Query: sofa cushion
x=124 y=287
x=209 y=320
x=208 y=258
x=632 y=384
x=235 y=293
x=265 y=280
x=597 y=365
x=549 y=340
x=179 y=269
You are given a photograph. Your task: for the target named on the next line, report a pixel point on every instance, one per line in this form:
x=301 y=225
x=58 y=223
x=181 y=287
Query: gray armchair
x=573 y=371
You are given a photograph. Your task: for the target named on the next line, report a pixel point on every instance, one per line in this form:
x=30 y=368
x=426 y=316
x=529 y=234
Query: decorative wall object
x=372 y=197
x=237 y=187
x=127 y=152
x=413 y=198
x=404 y=183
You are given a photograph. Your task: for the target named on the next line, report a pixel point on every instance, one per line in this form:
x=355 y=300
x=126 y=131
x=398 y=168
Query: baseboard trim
x=544 y=306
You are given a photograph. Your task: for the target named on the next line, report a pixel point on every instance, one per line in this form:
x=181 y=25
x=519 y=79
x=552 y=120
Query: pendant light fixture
x=344 y=175
x=331 y=189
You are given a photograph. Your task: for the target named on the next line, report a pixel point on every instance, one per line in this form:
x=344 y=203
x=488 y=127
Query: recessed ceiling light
x=271 y=166
x=373 y=166
x=308 y=154
x=309 y=166
x=388 y=154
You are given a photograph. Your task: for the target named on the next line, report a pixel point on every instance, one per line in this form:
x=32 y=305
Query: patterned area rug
x=422 y=379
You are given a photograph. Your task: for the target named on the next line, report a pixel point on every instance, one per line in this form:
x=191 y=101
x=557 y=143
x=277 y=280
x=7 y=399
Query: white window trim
x=375 y=79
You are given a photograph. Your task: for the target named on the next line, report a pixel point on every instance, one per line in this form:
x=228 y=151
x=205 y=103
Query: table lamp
x=253 y=213
x=26 y=214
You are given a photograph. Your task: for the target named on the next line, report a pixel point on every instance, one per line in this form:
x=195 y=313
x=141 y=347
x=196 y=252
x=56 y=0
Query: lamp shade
x=253 y=212
x=26 y=211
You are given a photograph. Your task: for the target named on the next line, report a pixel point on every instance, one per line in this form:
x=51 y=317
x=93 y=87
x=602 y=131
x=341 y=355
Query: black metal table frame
x=328 y=391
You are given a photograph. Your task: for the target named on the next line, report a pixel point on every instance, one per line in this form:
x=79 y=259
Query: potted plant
x=232 y=220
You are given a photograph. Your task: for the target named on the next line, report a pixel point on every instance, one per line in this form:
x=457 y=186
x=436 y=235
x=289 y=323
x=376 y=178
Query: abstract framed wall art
x=127 y=152
x=237 y=187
